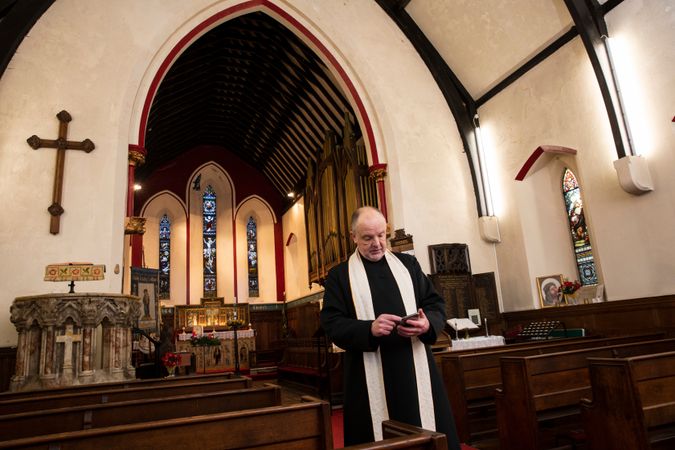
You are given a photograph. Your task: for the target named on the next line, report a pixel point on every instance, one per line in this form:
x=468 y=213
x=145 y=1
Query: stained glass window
x=209 y=240
x=579 y=231
x=164 y=257
x=252 y=246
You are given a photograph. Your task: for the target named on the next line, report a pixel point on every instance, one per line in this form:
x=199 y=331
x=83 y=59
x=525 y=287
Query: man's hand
x=414 y=327
x=384 y=324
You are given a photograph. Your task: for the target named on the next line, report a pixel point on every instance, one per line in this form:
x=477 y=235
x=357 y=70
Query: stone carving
x=57 y=339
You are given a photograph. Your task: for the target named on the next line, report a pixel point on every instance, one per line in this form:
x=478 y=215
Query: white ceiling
x=483 y=41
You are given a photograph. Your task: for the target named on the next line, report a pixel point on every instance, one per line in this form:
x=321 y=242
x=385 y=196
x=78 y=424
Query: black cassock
x=338 y=319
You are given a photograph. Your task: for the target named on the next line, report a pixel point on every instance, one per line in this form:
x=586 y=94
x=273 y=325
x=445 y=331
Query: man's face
x=370 y=236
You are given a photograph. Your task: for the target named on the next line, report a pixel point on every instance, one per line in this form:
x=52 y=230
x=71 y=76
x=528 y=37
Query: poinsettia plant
x=570 y=287
x=170 y=359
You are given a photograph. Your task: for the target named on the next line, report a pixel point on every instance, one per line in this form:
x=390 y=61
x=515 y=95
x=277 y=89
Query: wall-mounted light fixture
x=632 y=169
x=488 y=223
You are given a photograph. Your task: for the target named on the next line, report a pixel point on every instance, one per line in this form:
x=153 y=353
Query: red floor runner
x=338 y=431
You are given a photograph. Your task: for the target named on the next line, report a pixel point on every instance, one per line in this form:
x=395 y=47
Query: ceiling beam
x=460 y=102
x=590 y=22
x=522 y=70
x=17 y=22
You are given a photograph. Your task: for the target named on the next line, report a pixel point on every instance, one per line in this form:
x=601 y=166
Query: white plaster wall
x=154 y=209
x=295 y=253
x=558 y=102
x=642 y=246
x=267 y=277
x=545 y=223
x=66 y=62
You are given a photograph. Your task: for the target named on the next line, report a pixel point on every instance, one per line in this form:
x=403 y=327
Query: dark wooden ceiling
x=253 y=88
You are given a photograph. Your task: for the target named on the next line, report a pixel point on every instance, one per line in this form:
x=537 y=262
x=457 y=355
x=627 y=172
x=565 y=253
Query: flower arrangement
x=204 y=340
x=570 y=287
x=170 y=359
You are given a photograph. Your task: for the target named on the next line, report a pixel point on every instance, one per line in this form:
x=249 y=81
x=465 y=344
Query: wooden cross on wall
x=61 y=145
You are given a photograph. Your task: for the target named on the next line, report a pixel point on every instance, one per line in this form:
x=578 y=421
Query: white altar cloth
x=477 y=342
x=220 y=334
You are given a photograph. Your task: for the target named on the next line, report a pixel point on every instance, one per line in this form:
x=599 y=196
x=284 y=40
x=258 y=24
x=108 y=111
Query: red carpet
x=338 y=431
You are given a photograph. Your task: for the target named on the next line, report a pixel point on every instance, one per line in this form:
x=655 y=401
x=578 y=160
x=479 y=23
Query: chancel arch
x=256 y=208
x=339 y=72
x=169 y=204
x=213 y=175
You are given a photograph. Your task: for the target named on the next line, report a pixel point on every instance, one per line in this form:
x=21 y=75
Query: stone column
x=87 y=372
x=117 y=370
x=130 y=369
x=379 y=172
x=47 y=360
x=21 y=368
x=136 y=159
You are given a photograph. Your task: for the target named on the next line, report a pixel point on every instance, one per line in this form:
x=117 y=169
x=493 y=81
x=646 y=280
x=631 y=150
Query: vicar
x=389 y=369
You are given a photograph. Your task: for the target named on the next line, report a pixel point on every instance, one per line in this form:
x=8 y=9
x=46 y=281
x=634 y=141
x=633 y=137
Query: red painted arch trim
x=537 y=153
x=253 y=4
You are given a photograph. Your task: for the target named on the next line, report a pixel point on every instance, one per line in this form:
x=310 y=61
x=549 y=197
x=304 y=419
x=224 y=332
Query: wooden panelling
x=303 y=320
x=613 y=318
x=7 y=365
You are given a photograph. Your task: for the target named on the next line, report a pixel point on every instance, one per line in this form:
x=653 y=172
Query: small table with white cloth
x=477 y=342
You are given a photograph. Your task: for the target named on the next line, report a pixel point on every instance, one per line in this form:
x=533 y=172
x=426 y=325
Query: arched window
x=164 y=257
x=575 y=213
x=252 y=246
x=209 y=241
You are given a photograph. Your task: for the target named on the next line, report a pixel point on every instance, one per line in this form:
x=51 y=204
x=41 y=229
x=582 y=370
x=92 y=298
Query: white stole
x=372 y=361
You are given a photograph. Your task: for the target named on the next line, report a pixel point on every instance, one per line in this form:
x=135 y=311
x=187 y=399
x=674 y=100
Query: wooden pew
x=115 y=385
x=540 y=395
x=118 y=395
x=309 y=362
x=14 y=426
x=471 y=378
x=303 y=426
x=438 y=354
x=633 y=403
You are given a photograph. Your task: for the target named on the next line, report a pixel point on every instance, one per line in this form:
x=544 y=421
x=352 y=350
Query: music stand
x=541 y=330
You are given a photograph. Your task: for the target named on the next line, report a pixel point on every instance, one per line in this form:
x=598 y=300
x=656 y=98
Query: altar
x=207 y=331
x=216 y=352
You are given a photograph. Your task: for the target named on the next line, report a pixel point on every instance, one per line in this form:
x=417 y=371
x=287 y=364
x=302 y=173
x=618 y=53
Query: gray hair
x=356 y=215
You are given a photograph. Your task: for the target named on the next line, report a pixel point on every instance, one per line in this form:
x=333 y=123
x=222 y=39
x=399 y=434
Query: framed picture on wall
x=145 y=284
x=549 y=290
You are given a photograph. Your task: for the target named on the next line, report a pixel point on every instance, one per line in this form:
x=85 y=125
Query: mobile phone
x=413 y=316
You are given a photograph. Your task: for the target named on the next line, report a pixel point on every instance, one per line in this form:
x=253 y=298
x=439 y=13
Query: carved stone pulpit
x=69 y=339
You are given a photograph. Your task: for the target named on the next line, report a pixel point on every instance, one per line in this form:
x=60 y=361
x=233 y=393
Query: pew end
x=633 y=402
